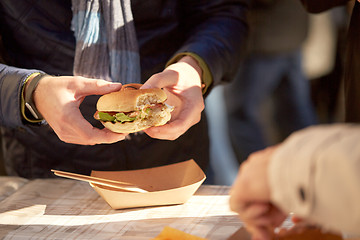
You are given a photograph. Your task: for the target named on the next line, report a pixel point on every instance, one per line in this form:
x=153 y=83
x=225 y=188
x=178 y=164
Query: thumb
x=98 y=87
x=163 y=79
x=152 y=82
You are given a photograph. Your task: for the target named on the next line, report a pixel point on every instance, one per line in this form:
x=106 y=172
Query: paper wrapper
x=166 y=185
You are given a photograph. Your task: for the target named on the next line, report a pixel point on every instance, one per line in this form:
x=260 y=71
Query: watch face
x=32 y=111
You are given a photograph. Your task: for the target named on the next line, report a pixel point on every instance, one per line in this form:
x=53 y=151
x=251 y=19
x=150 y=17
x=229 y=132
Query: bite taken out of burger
x=133 y=109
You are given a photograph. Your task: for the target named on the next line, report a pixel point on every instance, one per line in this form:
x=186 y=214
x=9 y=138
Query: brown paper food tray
x=166 y=185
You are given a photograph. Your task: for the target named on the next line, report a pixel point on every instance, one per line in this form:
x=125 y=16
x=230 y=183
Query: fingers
x=180 y=122
x=254 y=210
x=86 y=86
x=58 y=100
x=95 y=137
x=98 y=136
x=71 y=127
x=187 y=101
x=260 y=218
x=89 y=135
x=165 y=79
x=260 y=232
x=296 y=219
x=170 y=131
x=184 y=116
x=264 y=214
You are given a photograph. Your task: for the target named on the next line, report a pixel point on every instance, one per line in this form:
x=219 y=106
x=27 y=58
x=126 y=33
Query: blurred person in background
x=69 y=48
x=315 y=172
x=352 y=58
x=324 y=55
x=272 y=70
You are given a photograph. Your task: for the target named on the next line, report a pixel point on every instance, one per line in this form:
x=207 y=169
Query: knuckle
x=202 y=105
x=63 y=137
x=99 y=83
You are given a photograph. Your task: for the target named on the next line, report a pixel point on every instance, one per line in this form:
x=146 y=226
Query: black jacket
x=36 y=36
x=276 y=26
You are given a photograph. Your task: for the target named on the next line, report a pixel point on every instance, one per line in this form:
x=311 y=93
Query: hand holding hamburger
x=183 y=86
x=181 y=81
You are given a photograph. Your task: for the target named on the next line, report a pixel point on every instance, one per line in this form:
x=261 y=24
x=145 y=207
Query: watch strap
x=29 y=100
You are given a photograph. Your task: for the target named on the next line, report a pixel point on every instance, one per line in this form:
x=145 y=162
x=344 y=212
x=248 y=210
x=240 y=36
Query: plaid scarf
x=106 y=44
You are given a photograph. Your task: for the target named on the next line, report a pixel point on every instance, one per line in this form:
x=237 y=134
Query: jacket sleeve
x=321 y=5
x=216 y=31
x=262 y=3
x=315 y=173
x=11 y=83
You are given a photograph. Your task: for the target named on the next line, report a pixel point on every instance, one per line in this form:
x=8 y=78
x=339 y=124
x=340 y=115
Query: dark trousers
x=260 y=79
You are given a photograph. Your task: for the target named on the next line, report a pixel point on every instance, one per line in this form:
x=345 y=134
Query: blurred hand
x=182 y=84
x=58 y=100
x=250 y=196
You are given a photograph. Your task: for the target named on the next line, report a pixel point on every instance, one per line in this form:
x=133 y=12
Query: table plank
x=9 y=185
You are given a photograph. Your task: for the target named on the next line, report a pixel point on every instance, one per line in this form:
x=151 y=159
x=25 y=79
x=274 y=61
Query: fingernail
x=146 y=86
x=115 y=85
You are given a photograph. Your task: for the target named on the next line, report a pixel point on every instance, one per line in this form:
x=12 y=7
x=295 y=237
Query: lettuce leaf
x=106 y=117
x=118 y=117
x=121 y=117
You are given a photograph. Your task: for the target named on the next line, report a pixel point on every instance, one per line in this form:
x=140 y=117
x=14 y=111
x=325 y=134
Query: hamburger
x=133 y=109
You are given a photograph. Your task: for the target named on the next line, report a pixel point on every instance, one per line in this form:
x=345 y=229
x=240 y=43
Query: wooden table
x=70 y=209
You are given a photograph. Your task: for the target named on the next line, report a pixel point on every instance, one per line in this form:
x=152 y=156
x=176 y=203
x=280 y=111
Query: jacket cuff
x=12 y=81
x=206 y=77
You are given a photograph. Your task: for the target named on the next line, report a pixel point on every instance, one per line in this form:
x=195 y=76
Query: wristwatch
x=29 y=100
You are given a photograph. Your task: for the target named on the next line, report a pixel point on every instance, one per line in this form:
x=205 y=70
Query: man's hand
x=58 y=100
x=250 y=196
x=182 y=84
